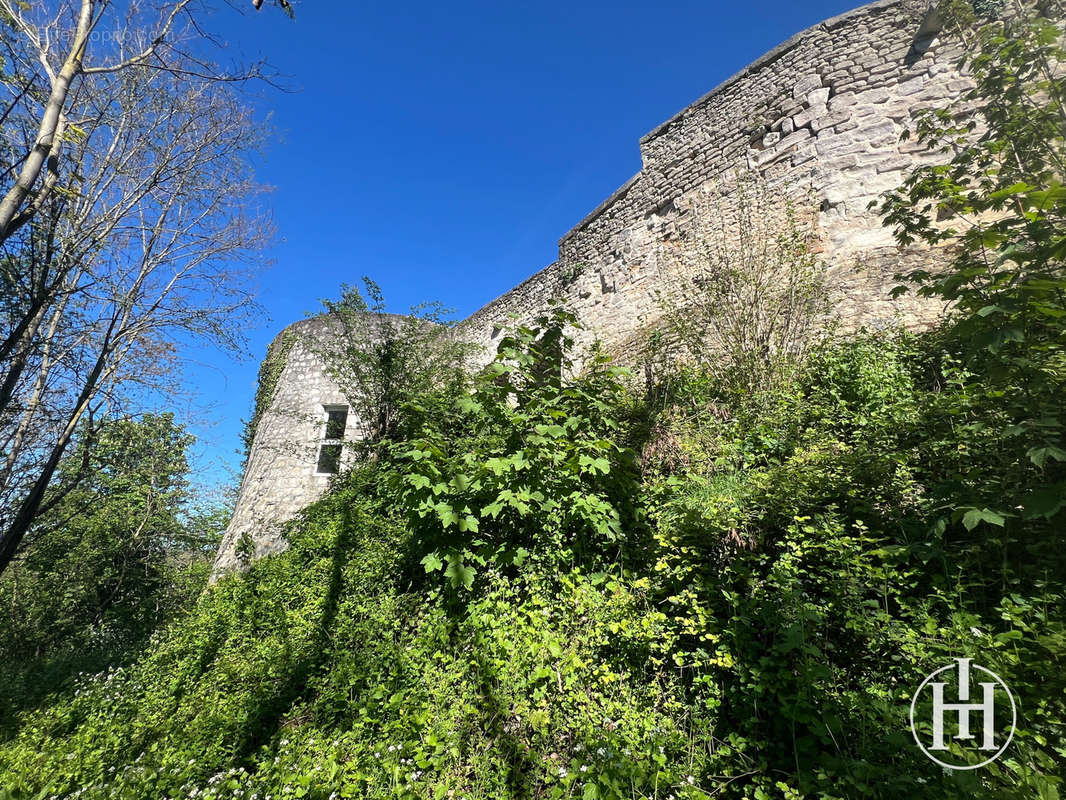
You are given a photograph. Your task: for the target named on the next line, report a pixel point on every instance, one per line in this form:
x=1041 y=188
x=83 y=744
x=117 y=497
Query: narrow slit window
x=329 y=450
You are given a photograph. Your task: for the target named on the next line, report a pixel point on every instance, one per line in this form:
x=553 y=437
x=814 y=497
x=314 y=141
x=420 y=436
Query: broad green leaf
x=974 y=517
x=418 y=481
x=1044 y=502
x=432 y=562
x=1040 y=455
x=447 y=515
x=459 y=573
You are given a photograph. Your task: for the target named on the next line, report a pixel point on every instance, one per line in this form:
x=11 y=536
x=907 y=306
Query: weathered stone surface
x=805 y=84
x=280 y=473
x=819 y=97
x=851 y=80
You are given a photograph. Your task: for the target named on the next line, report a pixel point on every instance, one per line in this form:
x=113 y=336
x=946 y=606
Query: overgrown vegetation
x=380 y=359
x=712 y=589
x=266 y=385
x=748 y=297
x=108 y=562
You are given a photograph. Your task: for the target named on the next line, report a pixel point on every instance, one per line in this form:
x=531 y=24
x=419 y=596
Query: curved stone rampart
x=820 y=116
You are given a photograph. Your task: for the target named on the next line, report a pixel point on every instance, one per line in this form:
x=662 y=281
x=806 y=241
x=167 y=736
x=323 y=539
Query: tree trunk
x=13 y=532
x=48 y=134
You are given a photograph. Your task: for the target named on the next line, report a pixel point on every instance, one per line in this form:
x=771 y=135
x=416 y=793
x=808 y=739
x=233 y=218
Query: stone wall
x=821 y=116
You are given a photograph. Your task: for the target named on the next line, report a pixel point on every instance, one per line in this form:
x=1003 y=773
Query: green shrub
x=531 y=467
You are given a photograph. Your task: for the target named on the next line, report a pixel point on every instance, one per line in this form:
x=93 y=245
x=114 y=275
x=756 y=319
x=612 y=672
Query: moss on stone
x=267 y=384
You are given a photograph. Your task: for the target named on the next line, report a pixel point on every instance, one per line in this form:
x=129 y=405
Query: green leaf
x=974 y=517
x=468 y=405
x=590 y=464
x=459 y=573
x=418 y=481
x=554 y=431
x=1044 y=502
x=432 y=562
x=1009 y=636
x=447 y=515
x=1017 y=188
x=497 y=466
x=1040 y=455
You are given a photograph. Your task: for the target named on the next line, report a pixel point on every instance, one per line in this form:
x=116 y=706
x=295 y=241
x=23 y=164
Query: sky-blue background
x=443 y=149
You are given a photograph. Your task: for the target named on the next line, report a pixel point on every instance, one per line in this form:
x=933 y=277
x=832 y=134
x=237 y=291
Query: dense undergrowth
x=786 y=576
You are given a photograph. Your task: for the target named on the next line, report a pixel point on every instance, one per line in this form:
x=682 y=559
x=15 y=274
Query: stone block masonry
x=820 y=116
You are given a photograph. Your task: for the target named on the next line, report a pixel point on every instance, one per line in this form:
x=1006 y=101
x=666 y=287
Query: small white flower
x=690 y=779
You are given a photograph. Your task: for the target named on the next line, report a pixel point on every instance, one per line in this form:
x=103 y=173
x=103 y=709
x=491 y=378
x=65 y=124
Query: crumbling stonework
x=820 y=116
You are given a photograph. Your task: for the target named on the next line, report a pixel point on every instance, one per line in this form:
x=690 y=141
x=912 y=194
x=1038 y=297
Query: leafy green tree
x=380 y=360
x=97 y=567
x=997 y=198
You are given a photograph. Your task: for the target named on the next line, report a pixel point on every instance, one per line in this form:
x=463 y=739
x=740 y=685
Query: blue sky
x=443 y=149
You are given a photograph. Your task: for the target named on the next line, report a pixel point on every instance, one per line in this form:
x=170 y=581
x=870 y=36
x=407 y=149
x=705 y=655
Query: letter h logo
x=987 y=708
